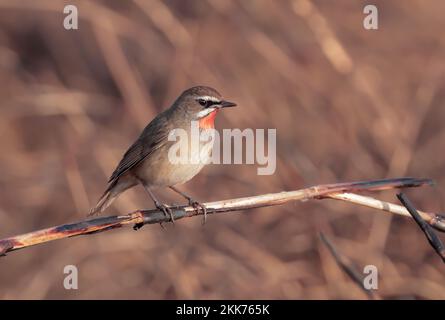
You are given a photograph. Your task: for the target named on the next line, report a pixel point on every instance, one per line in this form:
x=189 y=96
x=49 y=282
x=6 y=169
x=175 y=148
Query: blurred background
x=347 y=103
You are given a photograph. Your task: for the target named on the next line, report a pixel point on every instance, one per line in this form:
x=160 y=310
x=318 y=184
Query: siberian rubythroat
x=147 y=160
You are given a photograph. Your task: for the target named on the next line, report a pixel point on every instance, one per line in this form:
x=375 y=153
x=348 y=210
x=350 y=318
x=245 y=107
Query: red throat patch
x=208 y=121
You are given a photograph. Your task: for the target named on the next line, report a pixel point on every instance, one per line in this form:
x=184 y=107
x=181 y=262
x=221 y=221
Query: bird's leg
x=195 y=204
x=163 y=207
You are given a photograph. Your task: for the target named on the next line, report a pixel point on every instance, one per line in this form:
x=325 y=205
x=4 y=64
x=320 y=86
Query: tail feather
x=113 y=191
x=105 y=200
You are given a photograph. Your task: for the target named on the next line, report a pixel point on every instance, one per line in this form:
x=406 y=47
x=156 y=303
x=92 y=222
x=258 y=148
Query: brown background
x=348 y=104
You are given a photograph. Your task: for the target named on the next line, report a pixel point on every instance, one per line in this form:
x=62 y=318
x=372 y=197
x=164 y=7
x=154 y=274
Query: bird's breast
x=208 y=121
x=161 y=171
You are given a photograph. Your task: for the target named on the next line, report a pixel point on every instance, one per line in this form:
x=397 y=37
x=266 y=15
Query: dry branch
x=141 y=217
x=436 y=221
x=433 y=239
x=348 y=266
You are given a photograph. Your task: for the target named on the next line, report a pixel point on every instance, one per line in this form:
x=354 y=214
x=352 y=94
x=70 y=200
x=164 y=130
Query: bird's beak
x=227 y=104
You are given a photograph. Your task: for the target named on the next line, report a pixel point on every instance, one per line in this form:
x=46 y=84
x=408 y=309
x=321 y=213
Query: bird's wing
x=152 y=138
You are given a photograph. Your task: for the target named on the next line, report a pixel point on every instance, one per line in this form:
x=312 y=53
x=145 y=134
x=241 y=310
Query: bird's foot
x=167 y=211
x=199 y=206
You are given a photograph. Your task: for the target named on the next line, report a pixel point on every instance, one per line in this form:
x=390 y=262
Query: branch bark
x=339 y=191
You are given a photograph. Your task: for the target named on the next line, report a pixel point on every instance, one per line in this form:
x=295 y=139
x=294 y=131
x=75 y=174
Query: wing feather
x=152 y=137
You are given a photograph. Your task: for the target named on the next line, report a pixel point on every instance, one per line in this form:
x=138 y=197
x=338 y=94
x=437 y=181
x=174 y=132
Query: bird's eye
x=202 y=102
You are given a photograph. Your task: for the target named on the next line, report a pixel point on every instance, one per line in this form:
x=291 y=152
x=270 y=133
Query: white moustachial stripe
x=205 y=112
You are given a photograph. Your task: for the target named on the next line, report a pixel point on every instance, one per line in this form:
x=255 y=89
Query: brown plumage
x=147 y=162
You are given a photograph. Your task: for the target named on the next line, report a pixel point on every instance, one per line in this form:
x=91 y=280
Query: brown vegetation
x=348 y=104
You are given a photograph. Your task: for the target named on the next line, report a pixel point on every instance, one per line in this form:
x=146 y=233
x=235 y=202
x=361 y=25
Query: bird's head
x=202 y=104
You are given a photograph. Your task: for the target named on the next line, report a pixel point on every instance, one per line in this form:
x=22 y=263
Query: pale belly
x=160 y=171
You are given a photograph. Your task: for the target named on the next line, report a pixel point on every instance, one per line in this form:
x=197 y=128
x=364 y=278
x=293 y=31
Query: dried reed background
x=348 y=104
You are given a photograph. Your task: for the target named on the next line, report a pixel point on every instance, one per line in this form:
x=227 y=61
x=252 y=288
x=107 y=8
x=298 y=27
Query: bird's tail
x=105 y=200
x=113 y=191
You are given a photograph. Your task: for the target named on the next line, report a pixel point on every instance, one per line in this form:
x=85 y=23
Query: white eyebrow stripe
x=208 y=98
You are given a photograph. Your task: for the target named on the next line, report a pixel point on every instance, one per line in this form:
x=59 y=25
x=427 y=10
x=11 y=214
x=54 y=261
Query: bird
x=146 y=162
